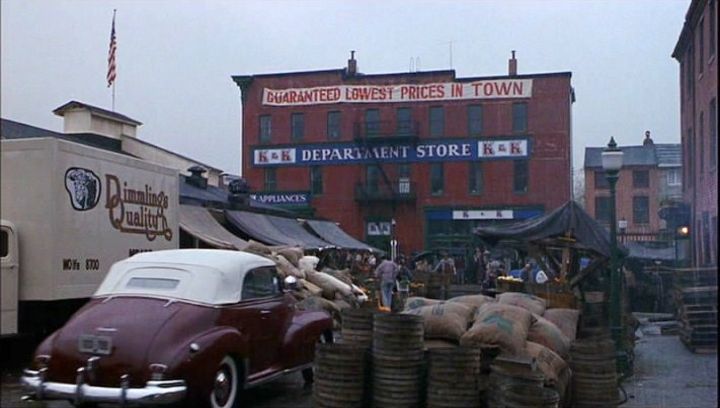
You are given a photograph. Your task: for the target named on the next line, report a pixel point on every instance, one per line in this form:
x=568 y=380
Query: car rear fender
x=304 y=331
x=196 y=361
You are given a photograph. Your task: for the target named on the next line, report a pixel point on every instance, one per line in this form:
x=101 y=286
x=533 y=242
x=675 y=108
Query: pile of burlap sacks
x=518 y=324
x=330 y=290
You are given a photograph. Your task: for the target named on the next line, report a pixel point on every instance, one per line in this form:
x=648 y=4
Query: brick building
x=696 y=51
x=425 y=156
x=649 y=180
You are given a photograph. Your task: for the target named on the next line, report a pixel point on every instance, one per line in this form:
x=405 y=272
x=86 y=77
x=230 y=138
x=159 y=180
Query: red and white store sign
x=447 y=91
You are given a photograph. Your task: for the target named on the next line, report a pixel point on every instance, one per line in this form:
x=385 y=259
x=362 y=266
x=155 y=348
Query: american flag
x=111 y=55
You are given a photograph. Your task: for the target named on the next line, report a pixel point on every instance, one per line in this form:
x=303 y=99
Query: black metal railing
x=398 y=191
x=386 y=131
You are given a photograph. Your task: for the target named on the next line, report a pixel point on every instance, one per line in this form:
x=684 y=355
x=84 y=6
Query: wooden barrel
x=594 y=379
x=522 y=396
x=397 y=360
x=503 y=377
x=357 y=327
x=452 y=380
x=340 y=376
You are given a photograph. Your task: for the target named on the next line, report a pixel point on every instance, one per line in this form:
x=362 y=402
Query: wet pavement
x=668 y=375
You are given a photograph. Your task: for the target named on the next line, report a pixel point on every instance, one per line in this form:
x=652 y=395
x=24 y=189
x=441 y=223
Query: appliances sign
x=437 y=150
x=446 y=91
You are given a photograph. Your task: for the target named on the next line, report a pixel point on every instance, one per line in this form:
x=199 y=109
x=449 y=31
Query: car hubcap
x=221 y=390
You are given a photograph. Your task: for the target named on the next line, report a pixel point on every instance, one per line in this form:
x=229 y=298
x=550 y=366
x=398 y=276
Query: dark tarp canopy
x=569 y=221
x=273 y=230
x=331 y=232
x=199 y=223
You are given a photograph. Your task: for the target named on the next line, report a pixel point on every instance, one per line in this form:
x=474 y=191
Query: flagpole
x=113 y=90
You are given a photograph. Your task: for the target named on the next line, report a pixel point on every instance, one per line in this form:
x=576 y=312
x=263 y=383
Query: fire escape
x=370 y=134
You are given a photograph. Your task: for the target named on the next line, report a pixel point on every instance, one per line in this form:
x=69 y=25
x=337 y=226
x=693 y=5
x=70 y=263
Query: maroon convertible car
x=194 y=325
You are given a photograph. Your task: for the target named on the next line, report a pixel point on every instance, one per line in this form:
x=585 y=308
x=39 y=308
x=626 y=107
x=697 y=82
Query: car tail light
x=42 y=361
x=157 y=371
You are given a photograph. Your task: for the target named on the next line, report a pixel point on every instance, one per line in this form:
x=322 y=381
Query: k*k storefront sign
x=429 y=151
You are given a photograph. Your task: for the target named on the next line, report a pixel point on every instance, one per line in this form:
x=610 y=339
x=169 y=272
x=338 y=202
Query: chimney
x=196 y=178
x=238 y=193
x=352 y=64
x=512 y=65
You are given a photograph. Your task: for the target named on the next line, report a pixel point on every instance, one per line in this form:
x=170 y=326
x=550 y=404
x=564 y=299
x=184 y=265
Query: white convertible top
x=211 y=276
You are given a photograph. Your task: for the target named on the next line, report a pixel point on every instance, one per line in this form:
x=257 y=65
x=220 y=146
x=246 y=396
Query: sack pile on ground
x=516 y=324
x=330 y=290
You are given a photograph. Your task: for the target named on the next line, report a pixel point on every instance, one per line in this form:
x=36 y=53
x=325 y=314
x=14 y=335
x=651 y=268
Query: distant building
x=696 y=51
x=426 y=156
x=650 y=179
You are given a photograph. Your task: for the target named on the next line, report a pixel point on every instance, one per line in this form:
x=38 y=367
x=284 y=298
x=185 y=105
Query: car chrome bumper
x=153 y=393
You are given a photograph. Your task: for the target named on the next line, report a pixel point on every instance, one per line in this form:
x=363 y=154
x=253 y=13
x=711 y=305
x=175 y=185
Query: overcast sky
x=175 y=58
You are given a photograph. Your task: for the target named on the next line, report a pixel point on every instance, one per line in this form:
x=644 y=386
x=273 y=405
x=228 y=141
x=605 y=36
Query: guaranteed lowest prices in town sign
x=446 y=149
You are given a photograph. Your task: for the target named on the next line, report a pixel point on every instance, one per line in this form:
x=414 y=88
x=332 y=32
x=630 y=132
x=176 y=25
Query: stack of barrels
x=340 y=372
x=357 y=327
x=397 y=361
x=594 y=379
x=453 y=378
x=521 y=396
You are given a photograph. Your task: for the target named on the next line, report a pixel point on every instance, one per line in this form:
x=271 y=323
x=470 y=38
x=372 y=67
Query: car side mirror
x=290 y=283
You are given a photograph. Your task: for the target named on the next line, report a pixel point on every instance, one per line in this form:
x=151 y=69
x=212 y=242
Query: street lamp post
x=612 y=162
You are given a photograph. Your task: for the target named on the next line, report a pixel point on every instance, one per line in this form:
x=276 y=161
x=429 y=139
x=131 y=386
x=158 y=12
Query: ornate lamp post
x=611 y=163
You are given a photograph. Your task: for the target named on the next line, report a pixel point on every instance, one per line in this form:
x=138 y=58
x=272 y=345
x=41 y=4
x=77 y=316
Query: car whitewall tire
x=225 y=391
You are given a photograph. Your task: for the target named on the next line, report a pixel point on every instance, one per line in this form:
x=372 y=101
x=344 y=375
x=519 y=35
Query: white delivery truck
x=69 y=211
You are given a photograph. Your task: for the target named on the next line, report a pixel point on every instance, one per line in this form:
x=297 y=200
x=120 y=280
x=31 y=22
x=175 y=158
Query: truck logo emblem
x=84 y=188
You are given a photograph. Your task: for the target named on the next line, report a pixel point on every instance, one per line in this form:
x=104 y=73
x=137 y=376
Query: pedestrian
x=386 y=273
x=446 y=267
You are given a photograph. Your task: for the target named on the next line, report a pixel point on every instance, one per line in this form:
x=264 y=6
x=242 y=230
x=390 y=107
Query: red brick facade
x=549 y=159
x=696 y=51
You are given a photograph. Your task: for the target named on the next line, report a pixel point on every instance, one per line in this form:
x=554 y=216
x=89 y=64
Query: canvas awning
x=199 y=223
x=331 y=232
x=274 y=230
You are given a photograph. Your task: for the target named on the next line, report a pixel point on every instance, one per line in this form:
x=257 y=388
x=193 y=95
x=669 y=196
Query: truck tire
x=225 y=392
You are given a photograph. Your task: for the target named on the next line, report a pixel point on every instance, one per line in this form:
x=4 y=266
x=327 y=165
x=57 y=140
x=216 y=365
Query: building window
x=519 y=117
x=602 y=209
x=713 y=133
x=372 y=122
x=711 y=50
x=475 y=178
x=601 y=182
x=404 y=121
x=333 y=125
x=403 y=172
x=474 y=114
x=690 y=71
x=673 y=177
x=270 y=179
x=641 y=210
x=372 y=178
x=316 y=180
x=297 y=126
x=706 y=238
x=265 y=128
x=520 y=176
x=437 y=179
x=641 y=179
x=437 y=121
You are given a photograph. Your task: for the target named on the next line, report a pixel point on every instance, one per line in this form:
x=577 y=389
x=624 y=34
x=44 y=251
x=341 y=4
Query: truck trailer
x=69 y=211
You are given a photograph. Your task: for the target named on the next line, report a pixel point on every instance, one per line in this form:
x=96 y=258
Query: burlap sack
x=310 y=287
x=286 y=268
x=472 y=300
x=292 y=254
x=343 y=275
x=444 y=320
x=551 y=364
x=527 y=301
x=565 y=319
x=318 y=303
x=308 y=263
x=416 y=301
x=505 y=326
x=328 y=284
x=545 y=332
x=257 y=248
